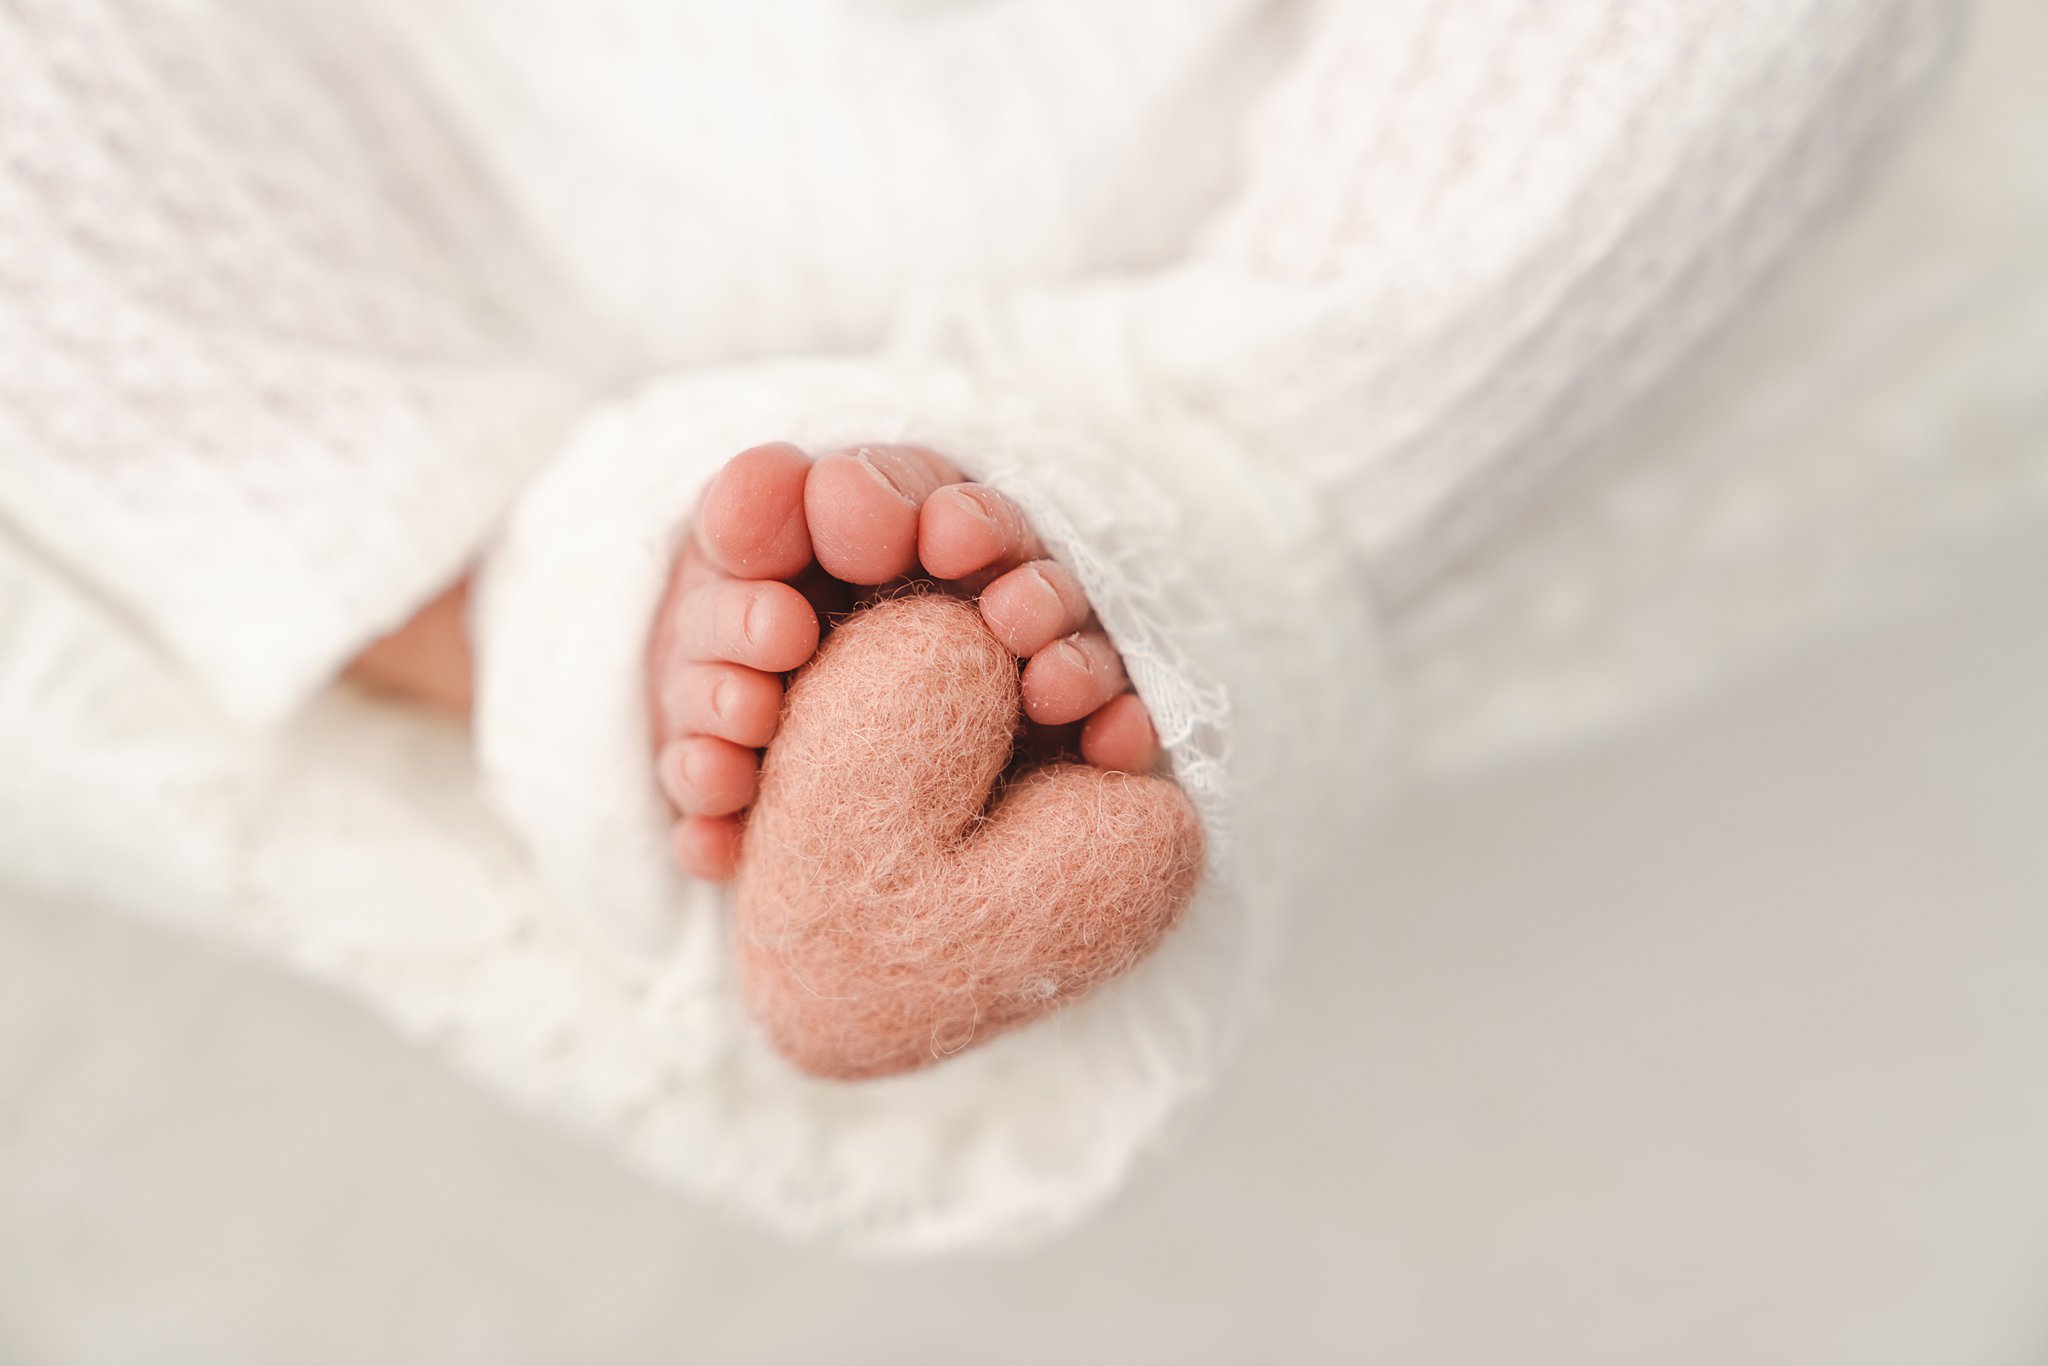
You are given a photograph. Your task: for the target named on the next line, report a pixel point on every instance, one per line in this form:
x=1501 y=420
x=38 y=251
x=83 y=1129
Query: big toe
x=862 y=507
x=751 y=521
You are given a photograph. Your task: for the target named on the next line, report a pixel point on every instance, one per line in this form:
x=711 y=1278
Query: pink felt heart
x=889 y=914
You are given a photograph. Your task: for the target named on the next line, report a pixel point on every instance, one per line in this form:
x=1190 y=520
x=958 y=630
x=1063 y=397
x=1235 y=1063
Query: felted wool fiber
x=888 y=913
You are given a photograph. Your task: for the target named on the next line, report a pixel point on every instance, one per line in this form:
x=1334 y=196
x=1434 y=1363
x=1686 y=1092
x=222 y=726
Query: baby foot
x=780 y=542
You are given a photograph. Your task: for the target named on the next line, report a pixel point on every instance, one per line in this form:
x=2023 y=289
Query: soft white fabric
x=1273 y=316
x=270 y=364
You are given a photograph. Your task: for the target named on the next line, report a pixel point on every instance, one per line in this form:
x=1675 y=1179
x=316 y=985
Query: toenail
x=1071 y=651
x=747 y=617
x=671 y=762
x=721 y=697
x=1045 y=583
x=978 y=502
x=867 y=462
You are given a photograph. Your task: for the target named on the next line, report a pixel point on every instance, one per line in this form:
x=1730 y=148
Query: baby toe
x=1034 y=605
x=965 y=529
x=729 y=701
x=766 y=625
x=751 y=520
x=862 y=506
x=707 y=846
x=1120 y=737
x=1071 y=678
x=705 y=776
